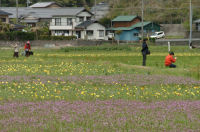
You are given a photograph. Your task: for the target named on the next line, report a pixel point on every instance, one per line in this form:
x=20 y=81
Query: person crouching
x=27 y=48
x=170 y=59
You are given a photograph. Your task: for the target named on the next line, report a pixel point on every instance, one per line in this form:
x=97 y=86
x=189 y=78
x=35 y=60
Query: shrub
x=3 y=36
x=152 y=40
x=17 y=35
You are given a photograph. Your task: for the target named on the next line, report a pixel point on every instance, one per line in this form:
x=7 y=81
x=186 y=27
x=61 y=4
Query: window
x=69 y=21
x=89 y=33
x=101 y=33
x=3 y=19
x=31 y=24
x=135 y=34
x=66 y=32
x=57 y=21
x=81 y=19
x=88 y=18
x=58 y=32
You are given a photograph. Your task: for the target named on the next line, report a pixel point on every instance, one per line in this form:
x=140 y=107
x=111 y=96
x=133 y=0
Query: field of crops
x=99 y=89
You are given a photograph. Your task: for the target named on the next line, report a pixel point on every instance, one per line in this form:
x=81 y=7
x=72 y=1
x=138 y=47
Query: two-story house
x=78 y=22
x=65 y=23
x=40 y=12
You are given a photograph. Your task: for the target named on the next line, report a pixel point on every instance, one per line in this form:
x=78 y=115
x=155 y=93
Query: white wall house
x=65 y=23
x=91 y=30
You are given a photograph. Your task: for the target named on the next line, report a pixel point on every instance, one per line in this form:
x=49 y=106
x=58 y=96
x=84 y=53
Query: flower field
x=99 y=91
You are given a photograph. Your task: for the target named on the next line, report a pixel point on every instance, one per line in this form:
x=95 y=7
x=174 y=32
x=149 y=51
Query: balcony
x=61 y=26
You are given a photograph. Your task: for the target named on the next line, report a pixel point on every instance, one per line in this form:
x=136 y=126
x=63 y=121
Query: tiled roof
x=86 y=24
x=197 y=21
x=4 y=13
x=124 y=18
x=30 y=21
x=42 y=4
x=17 y=26
x=43 y=12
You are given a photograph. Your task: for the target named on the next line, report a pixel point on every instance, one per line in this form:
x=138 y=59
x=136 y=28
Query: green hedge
x=90 y=48
x=153 y=40
x=46 y=37
x=17 y=35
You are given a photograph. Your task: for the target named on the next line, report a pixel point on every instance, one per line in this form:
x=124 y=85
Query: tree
x=4 y=27
x=105 y=21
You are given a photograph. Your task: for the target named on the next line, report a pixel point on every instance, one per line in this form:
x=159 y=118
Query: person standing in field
x=145 y=51
x=16 y=50
x=169 y=59
x=27 y=48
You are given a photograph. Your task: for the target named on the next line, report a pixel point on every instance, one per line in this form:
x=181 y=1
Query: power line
x=155 y=8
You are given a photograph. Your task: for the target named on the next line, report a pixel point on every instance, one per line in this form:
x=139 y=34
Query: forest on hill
x=161 y=11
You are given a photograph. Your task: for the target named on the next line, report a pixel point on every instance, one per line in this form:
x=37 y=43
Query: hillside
x=161 y=11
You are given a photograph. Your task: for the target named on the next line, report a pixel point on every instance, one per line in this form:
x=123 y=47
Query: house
x=4 y=16
x=65 y=22
x=125 y=21
x=100 y=10
x=46 y=5
x=33 y=16
x=129 y=28
x=91 y=30
x=30 y=19
x=61 y=21
x=133 y=33
x=40 y=12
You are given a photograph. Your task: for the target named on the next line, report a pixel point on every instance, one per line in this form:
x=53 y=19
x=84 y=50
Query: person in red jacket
x=27 y=48
x=170 y=59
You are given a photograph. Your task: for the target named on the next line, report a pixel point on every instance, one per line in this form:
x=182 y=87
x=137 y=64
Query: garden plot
x=99 y=91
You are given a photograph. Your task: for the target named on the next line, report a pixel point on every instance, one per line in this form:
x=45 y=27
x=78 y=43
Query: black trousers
x=144 y=59
x=16 y=54
x=27 y=53
x=172 y=66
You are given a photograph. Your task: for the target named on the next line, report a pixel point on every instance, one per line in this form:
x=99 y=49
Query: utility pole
x=17 y=11
x=27 y=3
x=190 y=39
x=95 y=9
x=142 y=19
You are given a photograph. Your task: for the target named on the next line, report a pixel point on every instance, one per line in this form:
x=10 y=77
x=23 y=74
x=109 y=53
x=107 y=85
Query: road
x=176 y=40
